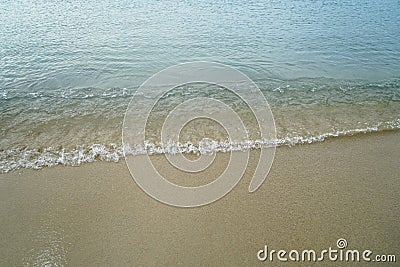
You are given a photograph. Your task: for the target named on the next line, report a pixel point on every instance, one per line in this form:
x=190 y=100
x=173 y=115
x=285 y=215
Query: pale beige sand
x=95 y=215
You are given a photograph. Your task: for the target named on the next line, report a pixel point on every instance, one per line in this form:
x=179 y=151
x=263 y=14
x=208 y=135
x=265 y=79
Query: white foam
x=13 y=159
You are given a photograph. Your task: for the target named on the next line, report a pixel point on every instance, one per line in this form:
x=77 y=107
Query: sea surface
x=68 y=70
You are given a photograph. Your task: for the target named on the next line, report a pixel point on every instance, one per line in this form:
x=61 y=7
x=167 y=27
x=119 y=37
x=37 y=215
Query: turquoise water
x=69 y=68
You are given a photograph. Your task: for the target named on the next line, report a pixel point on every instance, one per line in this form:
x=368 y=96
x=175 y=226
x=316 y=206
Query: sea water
x=68 y=70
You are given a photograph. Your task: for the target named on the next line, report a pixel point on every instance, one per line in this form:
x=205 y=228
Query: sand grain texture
x=95 y=215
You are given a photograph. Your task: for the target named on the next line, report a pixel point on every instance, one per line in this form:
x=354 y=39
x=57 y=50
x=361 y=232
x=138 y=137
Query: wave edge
x=13 y=159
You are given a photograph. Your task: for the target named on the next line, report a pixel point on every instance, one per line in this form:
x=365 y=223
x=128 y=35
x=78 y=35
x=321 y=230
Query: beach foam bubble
x=13 y=159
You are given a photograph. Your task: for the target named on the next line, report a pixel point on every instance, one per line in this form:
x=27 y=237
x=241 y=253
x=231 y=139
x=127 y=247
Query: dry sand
x=95 y=215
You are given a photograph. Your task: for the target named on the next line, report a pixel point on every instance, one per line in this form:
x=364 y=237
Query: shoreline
x=49 y=157
x=315 y=194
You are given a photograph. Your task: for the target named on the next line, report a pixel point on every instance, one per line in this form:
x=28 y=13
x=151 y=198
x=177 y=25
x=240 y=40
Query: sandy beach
x=83 y=85
x=95 y=215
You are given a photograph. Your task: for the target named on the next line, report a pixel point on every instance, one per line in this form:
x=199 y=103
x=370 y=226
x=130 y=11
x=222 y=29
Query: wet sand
x=95 y=215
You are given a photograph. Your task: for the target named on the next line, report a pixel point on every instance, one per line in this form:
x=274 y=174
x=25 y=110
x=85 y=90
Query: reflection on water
x=49 y=247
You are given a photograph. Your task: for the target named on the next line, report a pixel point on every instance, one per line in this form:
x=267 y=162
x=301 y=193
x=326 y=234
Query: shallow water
x=69 y=69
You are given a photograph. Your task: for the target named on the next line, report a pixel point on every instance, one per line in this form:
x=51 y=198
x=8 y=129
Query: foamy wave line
x=13 y=159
